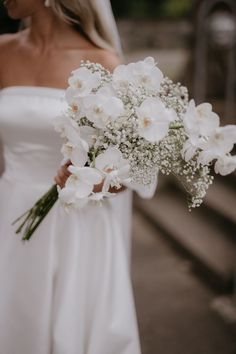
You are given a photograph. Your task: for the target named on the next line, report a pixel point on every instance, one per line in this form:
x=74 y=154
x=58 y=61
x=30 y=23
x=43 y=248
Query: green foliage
x=174 y=9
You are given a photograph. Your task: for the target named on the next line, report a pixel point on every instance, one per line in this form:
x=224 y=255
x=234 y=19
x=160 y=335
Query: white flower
x=101 y=109
x=144 y=191
x=154 y=119
x=225 y=165
x=200 y=120
x=75 y=103
x=64 y=123
x=100 y=196
x=190 y=148
x=205 y=135
x=69 y=195
x=205 y=157
x=87 y=178
x=114 y=168
x=79 y=186
x=83 y=81
x=219 y=143
x=121 y=77
x=89 y=135
x=107 y=90
x=144 y=73
x=76 y=153
x=75 y=148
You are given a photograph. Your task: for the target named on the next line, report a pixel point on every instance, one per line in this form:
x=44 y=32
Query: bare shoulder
x=7 y=40
x=8 y=43
x=109 y=60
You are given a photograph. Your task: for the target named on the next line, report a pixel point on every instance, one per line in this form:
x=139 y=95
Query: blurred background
x=184 y=264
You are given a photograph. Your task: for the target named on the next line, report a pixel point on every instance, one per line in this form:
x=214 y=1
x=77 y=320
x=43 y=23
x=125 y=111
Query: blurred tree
x=120 y=8
x=162 y=9
x=177 y=9
x=152 y=8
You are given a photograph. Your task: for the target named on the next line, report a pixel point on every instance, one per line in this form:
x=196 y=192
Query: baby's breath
x=147 y=159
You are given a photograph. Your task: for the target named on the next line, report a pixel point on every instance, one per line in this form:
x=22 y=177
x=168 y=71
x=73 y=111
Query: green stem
x=176 y=126
x=32 y=228
x=93 y=154
x=35 y=215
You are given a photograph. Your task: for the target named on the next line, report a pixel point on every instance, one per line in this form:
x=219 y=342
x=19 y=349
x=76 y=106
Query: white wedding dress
x=67 y=290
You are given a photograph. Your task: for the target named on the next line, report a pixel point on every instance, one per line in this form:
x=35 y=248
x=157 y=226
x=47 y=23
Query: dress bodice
x=31 y=147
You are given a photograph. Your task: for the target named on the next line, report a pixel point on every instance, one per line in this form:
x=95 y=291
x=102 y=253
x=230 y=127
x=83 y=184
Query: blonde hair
x=94 y=18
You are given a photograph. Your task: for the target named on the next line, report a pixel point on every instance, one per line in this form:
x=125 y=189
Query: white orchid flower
x=75 y=148
x=205 y=157
x=121 y=78
x=76 y=153
x=154 y=119
x=100 y=196
x=190 y=147
x=200 y=120
x=82 y=81
x=75 y=103
x=225 y=165
x=144 y=73
x=106 y=90
x=72 y=133
x=87 y=178
x=89 y=135
x=63 y=123
x=101 y=109
x=114 y=168
x=79 y=186
x=70 y=195
x=219 y=143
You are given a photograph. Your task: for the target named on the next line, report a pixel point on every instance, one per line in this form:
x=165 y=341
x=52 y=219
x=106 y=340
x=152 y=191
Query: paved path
x=173 y=306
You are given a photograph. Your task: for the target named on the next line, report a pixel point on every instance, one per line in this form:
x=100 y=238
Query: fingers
x=68 y=163
x=62 y=175
x=57 y=181
x=64 y=170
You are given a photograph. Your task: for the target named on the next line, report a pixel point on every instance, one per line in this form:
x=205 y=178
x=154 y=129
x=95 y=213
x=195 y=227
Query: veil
x=104 y=12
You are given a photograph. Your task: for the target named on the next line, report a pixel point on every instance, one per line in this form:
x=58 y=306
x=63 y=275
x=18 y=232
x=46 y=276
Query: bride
x=67 y=290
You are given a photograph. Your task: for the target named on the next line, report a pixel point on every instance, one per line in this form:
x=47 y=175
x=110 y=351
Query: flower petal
x=225 y=165
x=108 y=159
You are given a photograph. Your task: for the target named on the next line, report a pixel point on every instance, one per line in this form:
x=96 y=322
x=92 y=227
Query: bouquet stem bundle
x=33 y=217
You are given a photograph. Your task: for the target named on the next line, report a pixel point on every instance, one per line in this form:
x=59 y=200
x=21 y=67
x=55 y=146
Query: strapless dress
x=68 y=290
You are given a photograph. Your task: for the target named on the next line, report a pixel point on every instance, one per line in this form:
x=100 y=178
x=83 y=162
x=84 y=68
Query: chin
x=15 y=11
x=14 y=15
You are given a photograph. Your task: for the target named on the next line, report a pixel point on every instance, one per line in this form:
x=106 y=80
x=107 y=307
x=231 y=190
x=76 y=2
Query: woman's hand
x=98 y=188
x=63 y=174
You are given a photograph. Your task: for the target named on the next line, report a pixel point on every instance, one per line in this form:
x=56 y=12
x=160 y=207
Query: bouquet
x=126 y=127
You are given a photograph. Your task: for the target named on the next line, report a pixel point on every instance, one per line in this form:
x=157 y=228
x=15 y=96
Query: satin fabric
x=68 y=290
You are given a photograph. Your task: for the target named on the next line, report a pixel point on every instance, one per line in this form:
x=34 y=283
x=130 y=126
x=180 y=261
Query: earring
x=47 y=3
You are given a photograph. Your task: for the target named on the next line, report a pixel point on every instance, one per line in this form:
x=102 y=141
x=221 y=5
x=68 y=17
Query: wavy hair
x=94 y=18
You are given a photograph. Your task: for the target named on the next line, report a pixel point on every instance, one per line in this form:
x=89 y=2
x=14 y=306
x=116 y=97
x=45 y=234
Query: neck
x=47 y=30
